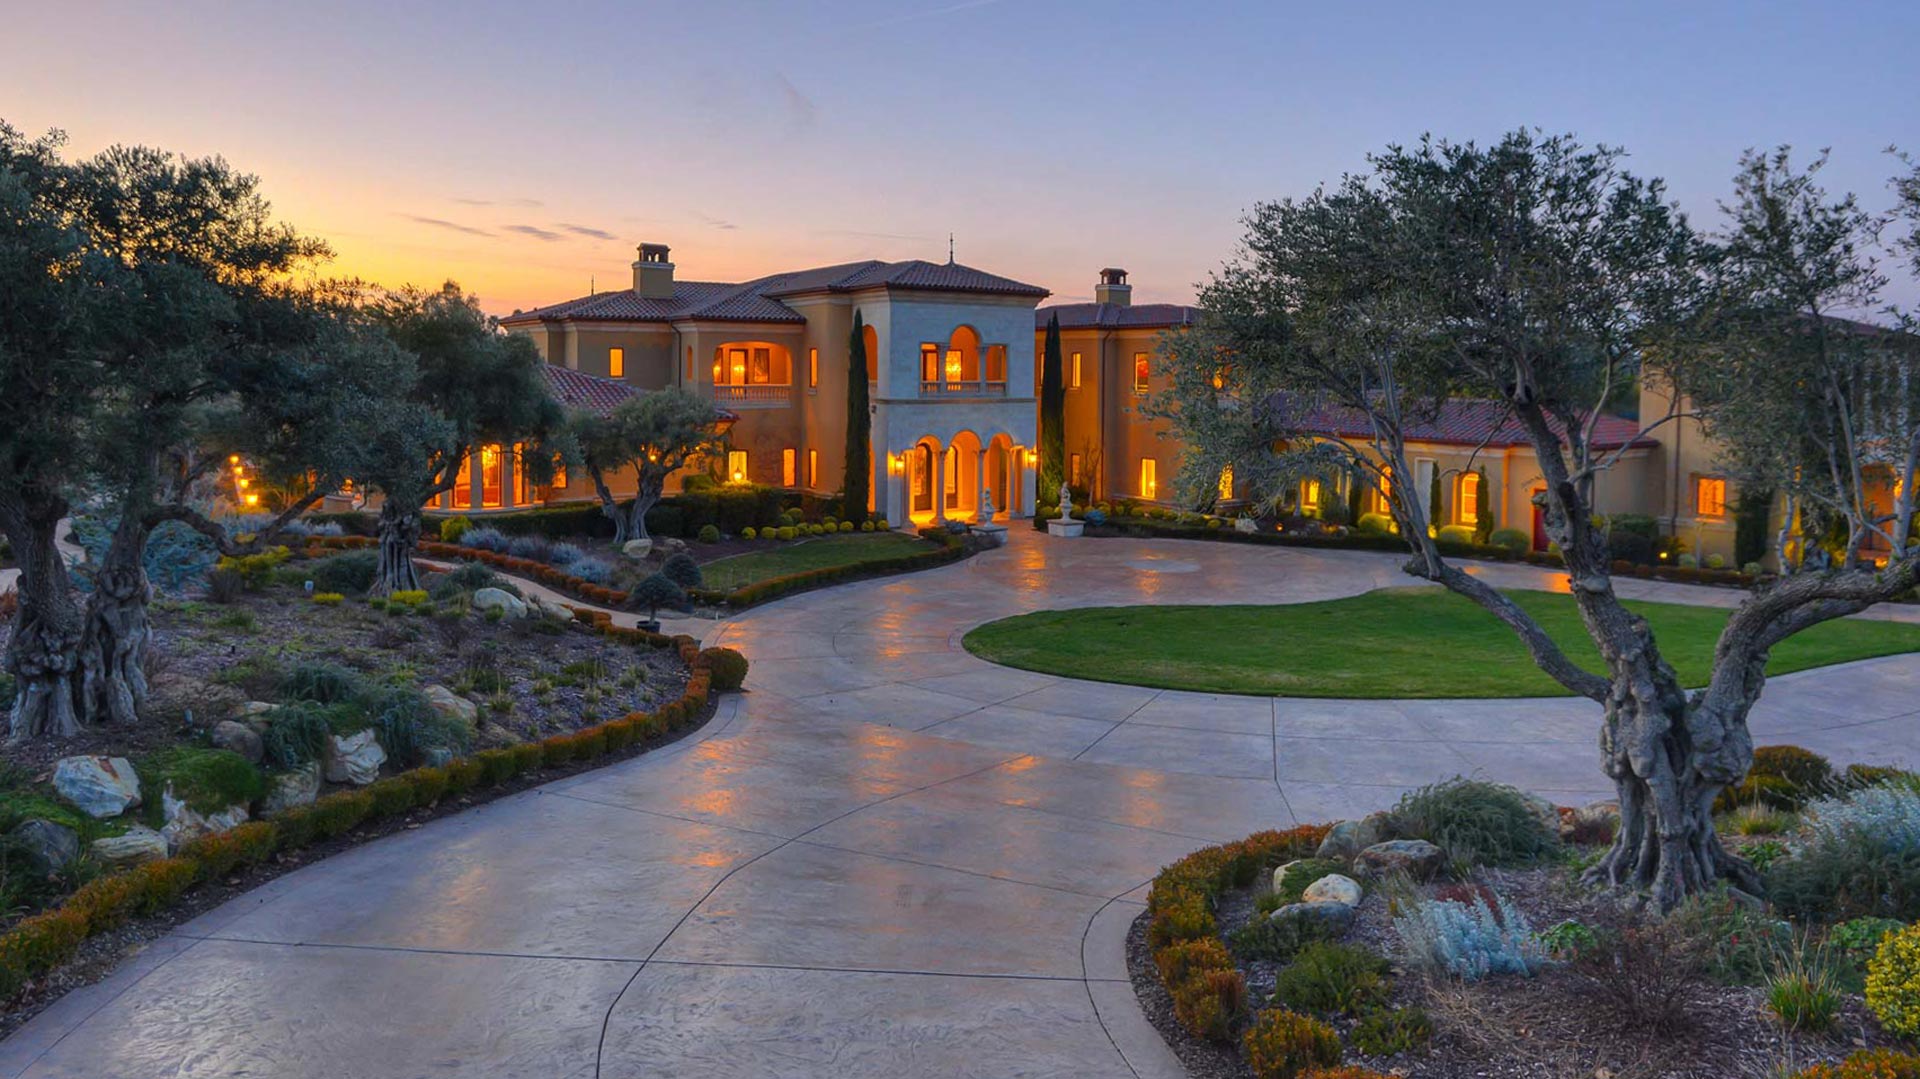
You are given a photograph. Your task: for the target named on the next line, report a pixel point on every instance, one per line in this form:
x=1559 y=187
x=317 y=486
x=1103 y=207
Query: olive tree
x=654 y=434
x=1539 y=274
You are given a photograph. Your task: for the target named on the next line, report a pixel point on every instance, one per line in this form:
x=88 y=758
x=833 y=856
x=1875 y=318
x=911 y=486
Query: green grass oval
x=1388 y=644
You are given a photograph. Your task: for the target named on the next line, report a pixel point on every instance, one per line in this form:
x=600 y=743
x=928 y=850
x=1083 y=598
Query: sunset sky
x=525 y=149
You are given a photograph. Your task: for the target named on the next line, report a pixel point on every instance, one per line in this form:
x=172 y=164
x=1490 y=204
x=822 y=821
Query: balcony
x=972 y=388
x=753 y=396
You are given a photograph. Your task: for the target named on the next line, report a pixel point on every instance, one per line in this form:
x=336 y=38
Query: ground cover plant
x=1391 y=643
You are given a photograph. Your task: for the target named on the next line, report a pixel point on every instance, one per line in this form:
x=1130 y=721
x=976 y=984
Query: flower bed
x=39 y=944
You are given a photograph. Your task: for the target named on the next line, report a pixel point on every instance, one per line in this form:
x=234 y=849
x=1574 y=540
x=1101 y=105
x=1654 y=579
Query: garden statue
x=1066 y=503
x=986 y=504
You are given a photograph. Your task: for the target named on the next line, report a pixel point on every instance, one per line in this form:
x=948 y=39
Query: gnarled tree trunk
x=399 y=533
x=610 y=506
x=44 y=650
x=113 y=678
x=646 y=495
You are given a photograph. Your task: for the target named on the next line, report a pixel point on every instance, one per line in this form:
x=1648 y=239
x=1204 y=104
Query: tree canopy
x=655 y=434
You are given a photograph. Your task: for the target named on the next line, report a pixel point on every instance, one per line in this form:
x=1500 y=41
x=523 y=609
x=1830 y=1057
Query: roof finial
x=949 y=248
x=591 y=290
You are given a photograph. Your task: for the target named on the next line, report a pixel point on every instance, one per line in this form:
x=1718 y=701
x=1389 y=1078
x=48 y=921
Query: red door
x=1539 y=523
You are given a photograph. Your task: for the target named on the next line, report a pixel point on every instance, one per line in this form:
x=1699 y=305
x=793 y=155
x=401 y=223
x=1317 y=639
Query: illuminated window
x=1141 y=370
x=996 y=363
x=955 y=365
x=1073 y=380
x=929 y=363
x=1310 y=496
x=737 y=466
x=1226 y=482
x=490 y=461
x=559 y=475
x=1149 y=477
x=813 y=368
x=813 y=468
x=786 y=468
x=1073 y=470
x=1466 y=507
x=1220 y=378
x=616 y=363
x=1710 y=496
x=463 y=484
x=519 y=476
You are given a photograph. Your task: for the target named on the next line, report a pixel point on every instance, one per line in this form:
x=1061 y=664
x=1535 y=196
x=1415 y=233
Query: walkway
x=887 y=859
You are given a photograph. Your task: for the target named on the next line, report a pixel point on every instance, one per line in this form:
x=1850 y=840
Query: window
x=1073 y=379
x=1226 y=483
x=786 y=468
x=463 y=484
x=616 y=363
x=1710 y=496
x=1310 y=496
x=813 y=369
x=1466 y=507
x=737 y=466
x=813 y=468
x=519 y=475
x=1149 y=477
x=996 y=363
x=950 y=469
x=490 y=464
x=929 y=363
x=559 y=475
x=1142 y=370
x=749 y=365
x=1073 y=470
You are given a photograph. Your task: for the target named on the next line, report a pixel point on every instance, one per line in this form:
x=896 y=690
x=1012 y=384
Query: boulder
x=546 y=608
x=489 y=599
x=494 y=736
x=50 y=845
x=636 y=549
x=1313 y=921
x=1350 y=837
x=1417 y=858
x=138 y=844
x=1280 y=873
x=451 y=705
x=100 y=786
x=185 y=824
x=240 y=738
x=1545 y=810
x=436 y=756
x=290 y=789
x=668 y=546
x=254 y=714
x=1245 y=525
x=354 y=758
x=1333 y=888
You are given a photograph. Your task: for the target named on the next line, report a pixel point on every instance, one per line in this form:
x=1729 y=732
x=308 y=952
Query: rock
x=181 y=699
x=254 y=714
x=488 y=599
x=50 y=845
x=1333 y=888
x=451 y=705
x=1545 y=810
x=636 y=549
x=100 y=786
x=1350 y=837
x=436 y=756
x=1313 y=921
x=494 y=736
x=1417 y=858
x=355 y=758
x=240 y=738
x=1280 y=873
x=288 y=790
x=185 y=824
x=139 y=844
x=546 y=608
x=1245 y=525
x=667 y=547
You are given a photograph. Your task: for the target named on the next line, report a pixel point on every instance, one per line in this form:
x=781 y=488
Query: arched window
x=1466 y=503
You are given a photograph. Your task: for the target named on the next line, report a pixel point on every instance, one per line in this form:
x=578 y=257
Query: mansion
x=953 y=378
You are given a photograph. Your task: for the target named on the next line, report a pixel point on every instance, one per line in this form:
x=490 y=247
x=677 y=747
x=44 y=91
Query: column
x=476 y=479
x=986 y=490
x=939 y=480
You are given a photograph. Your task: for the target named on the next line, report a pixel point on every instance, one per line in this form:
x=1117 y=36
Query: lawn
x=1393 y=643
x=842 y=549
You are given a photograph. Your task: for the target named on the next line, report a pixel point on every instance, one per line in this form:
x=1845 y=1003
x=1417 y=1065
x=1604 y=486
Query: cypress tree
x=1483 y=522
x=1053 y=429
x=1356 y=489
x=859 y=472
x=1433 y=499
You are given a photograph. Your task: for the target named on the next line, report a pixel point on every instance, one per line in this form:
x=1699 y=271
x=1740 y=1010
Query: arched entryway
x=1003 y=476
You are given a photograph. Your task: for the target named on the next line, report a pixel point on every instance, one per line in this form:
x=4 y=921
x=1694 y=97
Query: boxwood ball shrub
x=453 y=528
x=708 y=534
x=1512 y=539
x=1461 y=534
x=1893 y=982
x=1287 y=1045
x=729 y=667
x=350 y=573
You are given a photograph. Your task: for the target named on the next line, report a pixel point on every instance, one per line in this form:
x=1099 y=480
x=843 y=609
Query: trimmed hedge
x=39 y=944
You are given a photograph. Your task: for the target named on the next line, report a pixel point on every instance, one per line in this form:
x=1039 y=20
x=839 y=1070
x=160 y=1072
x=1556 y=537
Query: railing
x=971 y=388
x=753 y=396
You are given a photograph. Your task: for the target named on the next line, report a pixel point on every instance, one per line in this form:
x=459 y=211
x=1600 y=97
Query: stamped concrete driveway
x=887 y=858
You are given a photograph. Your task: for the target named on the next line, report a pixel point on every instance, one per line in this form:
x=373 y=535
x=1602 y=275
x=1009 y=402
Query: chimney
x=653 y=274
x=1113 y=288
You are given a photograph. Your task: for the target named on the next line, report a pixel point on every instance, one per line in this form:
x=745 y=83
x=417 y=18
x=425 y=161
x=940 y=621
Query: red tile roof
x=758 y=300
x=1113 y=316
x=1463 y=421
x=591 y=393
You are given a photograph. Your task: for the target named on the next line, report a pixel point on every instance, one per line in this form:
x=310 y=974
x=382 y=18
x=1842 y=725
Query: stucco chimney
x=653 y=274
x=1113 y=288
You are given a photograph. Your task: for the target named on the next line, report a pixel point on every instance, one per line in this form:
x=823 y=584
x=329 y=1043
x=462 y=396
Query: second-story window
x=929 y=362
x=1142 y=370
x=813 y=369
x=1710 y=496
x=996 y=363
x=617 y=363
x=1073 y=374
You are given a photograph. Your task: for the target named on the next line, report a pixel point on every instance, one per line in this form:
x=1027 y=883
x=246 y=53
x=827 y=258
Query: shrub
x=1476 y=822
x=1568 y=939
x=412 y=597
x=470 y=577
x=322 y=683
x=1867 y=1064
x=1514 y=540
x=350 y=573
x=328 y=599
x=223 y=852
x=1808 y=771
x=1334 y=978
x=1181 y=960
x=1375 y=524
x=1467 y=940
x=1209 y=1001
x=391 y=797
x=255 y=570
x=407 y=726
x=1861 y=937
x=1756 y=820
x=681 y=569
x=1644 y=976
x=1286 y=1045
x=536 y=548
x=1385 y=1033
x=1460 y=534
x=1860 y=856
x=749 y=532
x=485 y=538
x=1736 y=944
x=1298 y=877
x=787 y=532
x=729 y=667
x=296 y=735
x=1893 y=982
x=338 y=813
x=708 y=534
x=37 y=945
x=453 y=528
x=207 y=780
x=496 y=766
x=1802 y=994
x=565 y=554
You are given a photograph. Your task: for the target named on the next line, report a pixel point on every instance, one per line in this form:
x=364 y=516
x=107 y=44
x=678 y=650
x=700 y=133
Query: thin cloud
x=451 y=226
x=800 y=107
x=715 y=222
x=582 y=230
x=538 y=233
x=524 y=204
x=930 y=13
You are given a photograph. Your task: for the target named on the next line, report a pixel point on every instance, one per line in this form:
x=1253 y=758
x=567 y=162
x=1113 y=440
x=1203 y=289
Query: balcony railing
x=752 y=396
x=971 y=388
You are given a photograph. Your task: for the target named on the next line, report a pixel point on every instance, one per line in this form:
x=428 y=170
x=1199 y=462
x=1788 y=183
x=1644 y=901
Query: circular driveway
x=888 y=858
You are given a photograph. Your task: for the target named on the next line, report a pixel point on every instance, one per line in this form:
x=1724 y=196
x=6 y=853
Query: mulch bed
x=102 y=954
x=1550 y=1026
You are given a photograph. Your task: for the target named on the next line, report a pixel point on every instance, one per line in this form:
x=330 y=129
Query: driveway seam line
x=1157 y=694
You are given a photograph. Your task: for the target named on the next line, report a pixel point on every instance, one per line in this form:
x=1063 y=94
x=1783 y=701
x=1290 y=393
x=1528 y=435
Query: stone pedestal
x=995 y=535
x=1058 y=527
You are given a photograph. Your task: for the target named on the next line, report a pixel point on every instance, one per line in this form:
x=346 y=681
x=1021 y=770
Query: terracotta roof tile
x=1113 y=316
x=577 y=389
